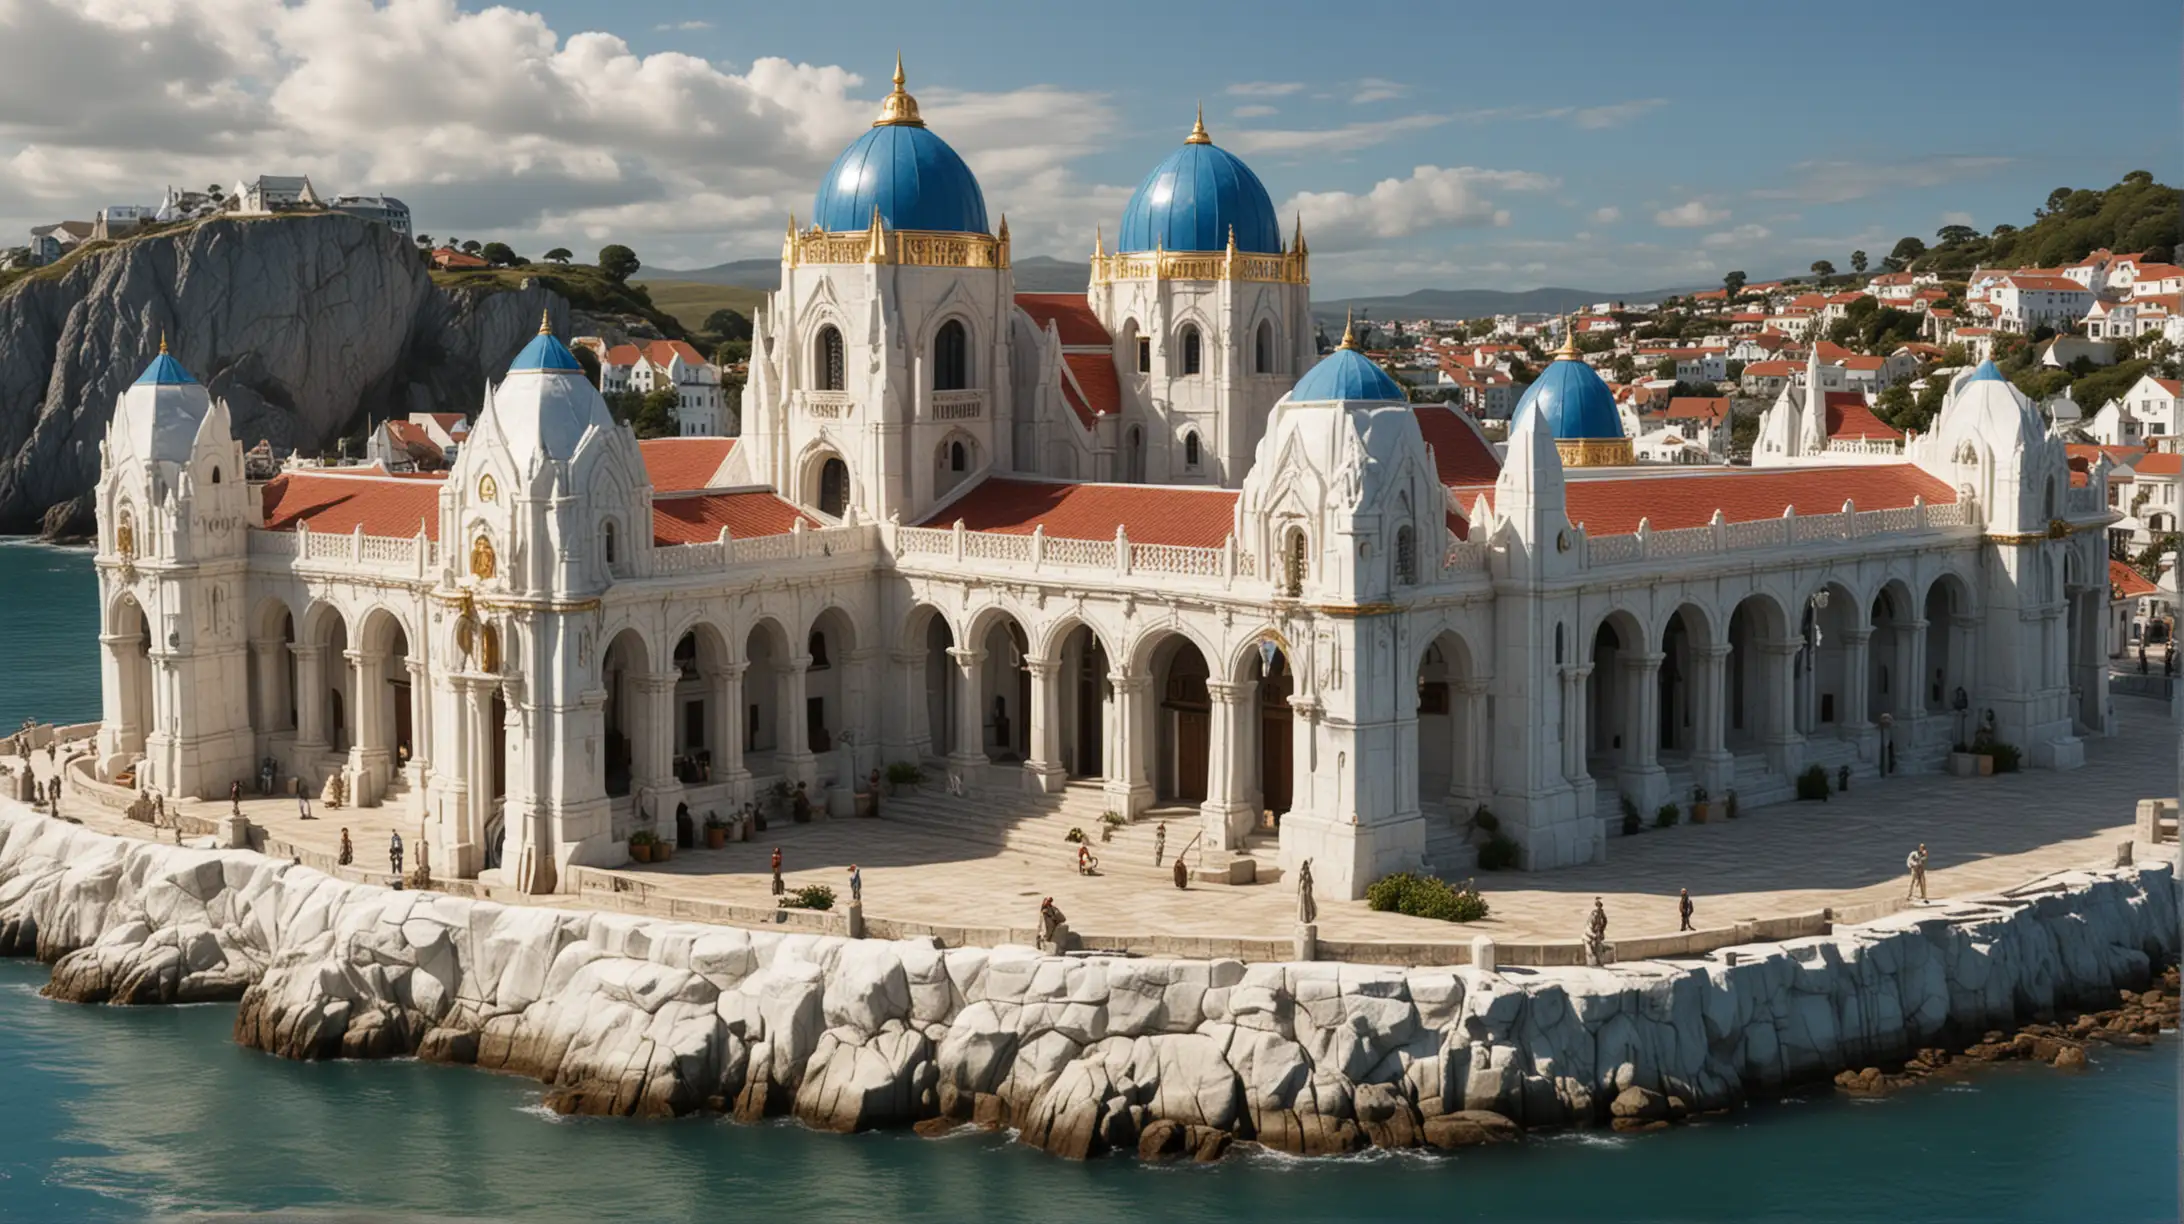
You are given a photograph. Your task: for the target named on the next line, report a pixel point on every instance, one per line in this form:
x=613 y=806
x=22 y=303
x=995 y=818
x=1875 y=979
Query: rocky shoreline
x=1082 y=1056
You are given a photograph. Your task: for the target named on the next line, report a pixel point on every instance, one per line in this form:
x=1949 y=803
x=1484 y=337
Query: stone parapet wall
x=622 y=1014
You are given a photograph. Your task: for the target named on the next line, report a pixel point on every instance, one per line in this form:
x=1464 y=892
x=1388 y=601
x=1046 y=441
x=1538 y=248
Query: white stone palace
x=1143 y=539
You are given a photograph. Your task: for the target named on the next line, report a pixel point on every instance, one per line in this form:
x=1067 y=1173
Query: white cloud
x=1834 y=182
x=1615 y=114
x=1433 y=197
x=689 y=26
x=1743 y=235
x=1956 y=218
x=490 y=123
x=1252 y=112
x=1374 y=89
x=1265 y=89
x=1348 y=136
x=1607 y=215
x=1690 y=215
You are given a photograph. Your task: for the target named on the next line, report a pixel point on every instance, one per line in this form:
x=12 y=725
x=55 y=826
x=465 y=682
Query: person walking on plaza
x=856 y=885
x=1160 y=842
x=348 y=852
x=1086 y=863
x=303 y=804
x=777 y=886
x=1182 y=873
x=1916 y=861
x=394 y=853
x=1683 y=907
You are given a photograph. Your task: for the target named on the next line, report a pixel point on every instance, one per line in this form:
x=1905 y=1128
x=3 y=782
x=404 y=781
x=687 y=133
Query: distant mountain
x=1034 y=274
x=1479 y=303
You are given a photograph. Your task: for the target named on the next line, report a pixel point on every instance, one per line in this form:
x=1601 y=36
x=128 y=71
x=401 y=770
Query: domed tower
x=1577 y=407
x=1345 y=501
x=879 y=371
x=1211 y=316
x=548 y=505
x=174 y=514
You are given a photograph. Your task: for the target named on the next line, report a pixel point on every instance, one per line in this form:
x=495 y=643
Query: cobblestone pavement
x=1982 y=833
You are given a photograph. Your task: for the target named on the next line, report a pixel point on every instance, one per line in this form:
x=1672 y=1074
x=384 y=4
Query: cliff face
x=303 y=323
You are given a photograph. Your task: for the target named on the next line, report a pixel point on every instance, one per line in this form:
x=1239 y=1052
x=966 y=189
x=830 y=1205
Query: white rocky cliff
x=628 y=1015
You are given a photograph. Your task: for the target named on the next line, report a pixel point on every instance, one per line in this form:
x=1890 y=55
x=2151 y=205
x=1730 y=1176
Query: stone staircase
x=1037 y=826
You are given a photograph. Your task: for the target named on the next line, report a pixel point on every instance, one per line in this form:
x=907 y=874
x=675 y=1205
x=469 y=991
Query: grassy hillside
x=586 y=287
x=2137 y=214
x=691 y=301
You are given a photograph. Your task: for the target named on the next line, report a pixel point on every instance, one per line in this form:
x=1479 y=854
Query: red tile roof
x=679 y=465
x=339 y=501
x=1743 y=495
x=1771 y=369
x=1071 y=315
x=1459 y=452
x=1698 y=408
x=1092 y=389
x=664 y=352
x=2159 y=463
x=698 y=519
x=2128 y=582
x=1152 y=514
x=1848 y=417
x=623 y=355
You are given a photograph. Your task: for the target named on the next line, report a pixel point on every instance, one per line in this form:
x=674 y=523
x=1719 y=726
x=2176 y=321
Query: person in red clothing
x=777 y=886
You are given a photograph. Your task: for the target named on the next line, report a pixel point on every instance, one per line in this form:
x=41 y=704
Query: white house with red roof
x=2150 y=408
x=935 y=546
x=2023 y=302
x=645 y=366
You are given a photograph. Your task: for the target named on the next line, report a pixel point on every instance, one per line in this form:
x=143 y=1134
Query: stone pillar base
x=1127 y=798
x=238 y=833
x=1307 y=941
x=856 y=920
x=1041 y=778
x=1484 y=954
x=1225 y=824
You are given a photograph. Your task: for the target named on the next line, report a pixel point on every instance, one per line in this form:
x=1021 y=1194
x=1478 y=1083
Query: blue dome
x=912 y=176
x=164 y=371
x=1192 y=200
x=1346 y=374
x=1573 y=400
x=1987 y=372
x=544 y=352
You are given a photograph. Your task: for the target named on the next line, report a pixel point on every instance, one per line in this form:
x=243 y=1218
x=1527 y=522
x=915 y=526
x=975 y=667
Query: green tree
x=1907 y=249
x=730 y=352
x=1665 y=368
x=618 y=261
x=2055 y=201
x=500 y=255
x=1626 y=368
x=424 y=240
x=1858 y=262
x=1925 y=408
x=559 y=255
x=655 y=417
x=727 y=325
x=1822 y=268
x=1734 y=283
x=1895 y=402
x=589 y=361
x=472 y=246
x=1955 y=235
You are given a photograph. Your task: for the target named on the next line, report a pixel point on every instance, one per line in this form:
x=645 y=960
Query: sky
x=1610 y=146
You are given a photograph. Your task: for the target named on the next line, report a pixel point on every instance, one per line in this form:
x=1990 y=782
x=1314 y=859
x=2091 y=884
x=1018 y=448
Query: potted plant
x=1666 y=816
x=777 y=798
x=1966 y=762
x=1701 y=810
x=903 y=778
x=1632 y=821
x=1813 y=783
x=716 y=832
x=663 y=849
x=640 y=846
x=1729 y=803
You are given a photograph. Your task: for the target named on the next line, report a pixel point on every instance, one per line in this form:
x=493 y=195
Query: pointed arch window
x=1294 y=551
x=1262 y=348
x=1193 y=354
x=833 y=487
x=1406 y=556
x=951 y=357
x=607 y=543
x=1191 y=451
x=958 y=459
x=828 y=367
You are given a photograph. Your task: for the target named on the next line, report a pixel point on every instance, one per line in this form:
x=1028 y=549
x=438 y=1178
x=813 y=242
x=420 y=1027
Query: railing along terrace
x=1037 y=551
x=1791 y=528
x=410 y=556
x=711 y=556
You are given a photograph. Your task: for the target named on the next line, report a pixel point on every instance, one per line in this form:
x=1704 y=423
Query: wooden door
x=1193 y=739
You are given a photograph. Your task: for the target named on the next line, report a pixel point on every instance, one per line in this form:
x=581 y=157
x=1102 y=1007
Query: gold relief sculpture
x=125 y=537
x=488 y=488
x=1289 y=268
x=910 y=248
x=482 y=563
x=1595 y=452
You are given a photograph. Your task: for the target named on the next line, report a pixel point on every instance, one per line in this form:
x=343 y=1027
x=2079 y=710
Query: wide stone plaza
x=938 y=862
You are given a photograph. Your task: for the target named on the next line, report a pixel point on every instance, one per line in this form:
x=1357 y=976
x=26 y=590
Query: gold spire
x=1198 y=129
x=545 y=323
x=876 y=239
x=1568 y=351
x=1349 y=331
x=900 y=109
x=162 y=341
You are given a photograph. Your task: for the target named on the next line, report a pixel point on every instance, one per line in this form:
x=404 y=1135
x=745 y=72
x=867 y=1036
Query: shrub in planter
x=1667 y=816
x=1498 y=854
x=1729 y=804
x=1485 y=821
x=716 y=832
x=1632 y=822
x=903 y=775
x=811 y=897
x=1075 y=834
x=1425 y=897
x=2007 y=757
x=1813 y=783
x=640 y=846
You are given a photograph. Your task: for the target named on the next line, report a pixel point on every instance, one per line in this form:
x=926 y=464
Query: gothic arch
x=1047 y=642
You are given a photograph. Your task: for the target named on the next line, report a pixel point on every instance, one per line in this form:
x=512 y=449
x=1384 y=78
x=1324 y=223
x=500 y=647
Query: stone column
x=371 y=760
x=1573 y=722
x=1304 y=713
x=1911 y=718
x=1127 y=789
x=1641 y=776
x=122 y=736
x=797 y=763
x=269 y=715
x=1043 y=772
x=1785 y=747
x=467 y=851
x=1473 y=777
x=726 y=682
x=913 y=734
x=1227 y=811
x=969 y=757
x=1712 y=766
x=310 y=708
x=420 y=719
x=1854 y=721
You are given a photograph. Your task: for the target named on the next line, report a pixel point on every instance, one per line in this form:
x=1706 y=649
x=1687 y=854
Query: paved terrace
x=1984 y=835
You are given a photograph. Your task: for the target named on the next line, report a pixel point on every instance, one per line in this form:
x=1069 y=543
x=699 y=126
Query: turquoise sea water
x=151 y=1113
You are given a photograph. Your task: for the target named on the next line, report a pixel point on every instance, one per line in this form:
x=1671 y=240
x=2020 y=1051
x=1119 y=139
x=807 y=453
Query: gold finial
x=1099 y=241
x=1349 y=330
x=899 y=109
x=1198 y=129
x=1568 y=351
x=545 y=323
x=876 y=239
x=162 y=341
